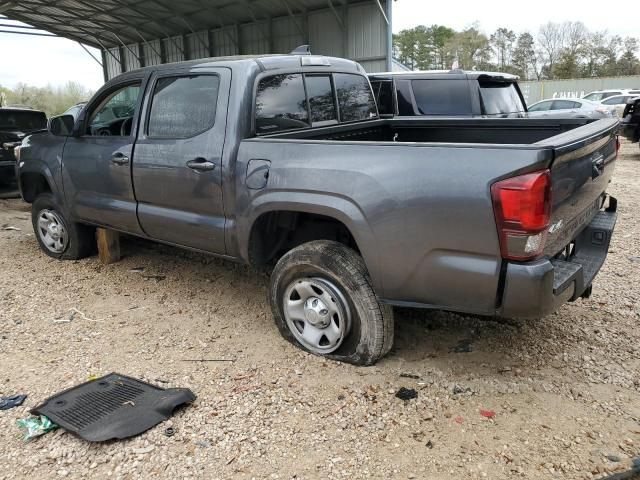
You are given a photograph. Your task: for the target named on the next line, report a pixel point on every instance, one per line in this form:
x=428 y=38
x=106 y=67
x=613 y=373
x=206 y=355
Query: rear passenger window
x=383 y=90
x=564 y=105
x=500 y=98
x=321 y=100
x=281 y=104
x=183 y=106
x=355 y=99
x=442 y=97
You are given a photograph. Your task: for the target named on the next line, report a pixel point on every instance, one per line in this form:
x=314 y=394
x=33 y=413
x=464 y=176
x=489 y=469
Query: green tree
x=628 y=63
x=52 y=100
x=472 y=49
x=525 y=60
x=569 y=62
x=502 y=41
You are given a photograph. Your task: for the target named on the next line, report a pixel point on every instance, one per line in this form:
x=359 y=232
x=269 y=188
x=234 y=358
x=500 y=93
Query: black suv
x=15 y=124
x=455 y=93
x=630 y=125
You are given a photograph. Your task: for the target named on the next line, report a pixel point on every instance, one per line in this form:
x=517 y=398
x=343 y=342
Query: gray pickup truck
x=283 y=161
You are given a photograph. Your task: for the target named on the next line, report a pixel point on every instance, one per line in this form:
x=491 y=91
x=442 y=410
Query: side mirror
x=61 y=126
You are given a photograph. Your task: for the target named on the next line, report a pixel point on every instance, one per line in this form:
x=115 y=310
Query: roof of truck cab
x=440 y=74
x=265 y=62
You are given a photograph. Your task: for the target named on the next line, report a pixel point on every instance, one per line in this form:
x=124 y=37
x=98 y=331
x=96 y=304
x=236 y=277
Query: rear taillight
x=522 y=207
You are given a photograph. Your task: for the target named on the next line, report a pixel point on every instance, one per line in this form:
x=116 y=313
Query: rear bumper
x=535 y=289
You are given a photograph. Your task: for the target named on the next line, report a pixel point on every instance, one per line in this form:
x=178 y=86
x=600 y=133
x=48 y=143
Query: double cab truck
x=284 y=162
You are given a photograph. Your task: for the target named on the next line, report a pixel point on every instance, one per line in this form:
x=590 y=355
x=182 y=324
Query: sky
x=40 y=61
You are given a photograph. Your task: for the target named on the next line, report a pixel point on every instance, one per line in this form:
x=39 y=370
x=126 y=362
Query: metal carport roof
x=133 y=33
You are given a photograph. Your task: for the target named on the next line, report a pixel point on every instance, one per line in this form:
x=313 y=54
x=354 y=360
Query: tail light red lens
x=522 y=207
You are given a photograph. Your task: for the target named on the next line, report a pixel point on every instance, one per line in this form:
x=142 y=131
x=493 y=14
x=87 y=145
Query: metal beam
x=126 y=46
x=186 y=41
x=216 y=12
x=91 y=54
x=4 y=6
x=33 y=34
x=335 y=14
x=383 y=13
x=294 y=19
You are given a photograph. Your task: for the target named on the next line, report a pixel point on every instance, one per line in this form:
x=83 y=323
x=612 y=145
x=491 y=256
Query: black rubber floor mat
x=112 y=407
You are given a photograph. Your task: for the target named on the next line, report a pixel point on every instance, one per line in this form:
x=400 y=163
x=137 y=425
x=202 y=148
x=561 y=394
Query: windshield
x=594 y=97
x=500 y=98
x=22 y=120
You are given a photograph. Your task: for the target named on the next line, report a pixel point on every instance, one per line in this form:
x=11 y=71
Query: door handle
x=201 y=165
x=119 y=158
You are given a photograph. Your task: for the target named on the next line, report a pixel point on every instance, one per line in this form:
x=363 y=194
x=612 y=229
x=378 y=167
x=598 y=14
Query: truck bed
x=434 y=184
x=442 y=130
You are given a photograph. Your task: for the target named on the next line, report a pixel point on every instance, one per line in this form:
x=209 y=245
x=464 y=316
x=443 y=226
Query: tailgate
x=582 y=168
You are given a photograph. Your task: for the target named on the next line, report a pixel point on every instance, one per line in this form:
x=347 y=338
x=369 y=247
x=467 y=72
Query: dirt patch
x=565 y=389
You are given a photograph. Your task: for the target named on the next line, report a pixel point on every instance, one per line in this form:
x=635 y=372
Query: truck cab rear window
x=321 y=100
x=281 y=104
x=355 y=99
x=294 y=101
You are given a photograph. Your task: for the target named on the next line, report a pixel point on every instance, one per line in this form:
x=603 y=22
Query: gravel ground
x=565 y=389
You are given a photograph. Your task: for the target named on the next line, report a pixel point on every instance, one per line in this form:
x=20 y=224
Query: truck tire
x=323 y=302
x=57 y=236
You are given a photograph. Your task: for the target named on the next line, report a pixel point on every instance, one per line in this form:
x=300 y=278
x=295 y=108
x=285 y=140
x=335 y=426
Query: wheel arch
x=33 y=182
x=340 y=212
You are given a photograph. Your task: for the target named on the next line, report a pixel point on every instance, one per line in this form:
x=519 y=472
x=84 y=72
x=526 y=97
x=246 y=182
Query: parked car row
x=444 y=196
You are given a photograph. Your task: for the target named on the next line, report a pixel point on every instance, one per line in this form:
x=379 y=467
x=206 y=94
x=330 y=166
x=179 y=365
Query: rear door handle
x=119 y=158
x=201 y=165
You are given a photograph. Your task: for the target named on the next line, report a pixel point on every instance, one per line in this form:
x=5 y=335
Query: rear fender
x=339 y=208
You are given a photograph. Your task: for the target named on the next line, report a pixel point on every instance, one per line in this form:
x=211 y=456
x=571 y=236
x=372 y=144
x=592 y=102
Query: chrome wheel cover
x=317 y=314
x=52 y=231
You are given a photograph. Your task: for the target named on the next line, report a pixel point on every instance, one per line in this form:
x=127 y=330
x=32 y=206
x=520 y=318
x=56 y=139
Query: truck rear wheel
x=323 y=302
x=57 y=236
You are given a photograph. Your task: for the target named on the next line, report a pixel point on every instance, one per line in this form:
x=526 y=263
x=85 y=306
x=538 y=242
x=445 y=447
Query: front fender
x=41 y=154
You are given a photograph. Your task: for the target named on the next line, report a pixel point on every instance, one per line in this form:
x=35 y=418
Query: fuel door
x=258 y=173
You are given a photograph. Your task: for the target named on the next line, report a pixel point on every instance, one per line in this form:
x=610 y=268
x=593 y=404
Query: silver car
x=569 y=108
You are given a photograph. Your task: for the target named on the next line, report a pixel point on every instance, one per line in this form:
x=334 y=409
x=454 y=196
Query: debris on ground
x=36 y=426
x=208 y=360
x=113 y=407
x=157 y=278
x=11 y=402
x=70 y=315
x=406 y=394
x=459 y=420
x=487 y=413
x=410 y=375
x=460 y=390
x=464 y=346
x=10 y=228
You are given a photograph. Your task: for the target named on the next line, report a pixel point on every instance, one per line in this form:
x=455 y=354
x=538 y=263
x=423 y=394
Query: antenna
x=301 y=50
